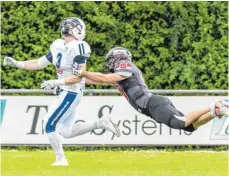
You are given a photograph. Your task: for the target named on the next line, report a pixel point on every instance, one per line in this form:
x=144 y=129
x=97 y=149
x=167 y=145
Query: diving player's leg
x=195 y=115
x=217 y=109
x=166 y=113
x=197 y=118
x=203 y=120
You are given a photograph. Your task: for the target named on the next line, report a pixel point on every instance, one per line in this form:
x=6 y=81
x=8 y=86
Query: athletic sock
x=55 y=140
x=212 y=112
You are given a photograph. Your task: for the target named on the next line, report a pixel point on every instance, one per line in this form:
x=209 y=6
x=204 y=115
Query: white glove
x=50 y=84
x=76 y=72
x=47 y=85
x=13 y=63
x=10 y=61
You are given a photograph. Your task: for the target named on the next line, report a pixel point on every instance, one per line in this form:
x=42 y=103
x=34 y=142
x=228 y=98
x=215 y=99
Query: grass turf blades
x=116 y=163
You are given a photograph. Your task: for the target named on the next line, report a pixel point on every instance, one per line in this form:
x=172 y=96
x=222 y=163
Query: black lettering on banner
x=144 y=126
x=170 y=131
x=187 y=132
x=35 y=117
x=160 y=127
x=100 y=114
x=136 y=124
x=124 y=125
x=80 y=121
x=117 y=126
x=180 y=131
x=42 y=125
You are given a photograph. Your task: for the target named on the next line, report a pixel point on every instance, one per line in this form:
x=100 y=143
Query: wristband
x=20 y=64
x=59 y=82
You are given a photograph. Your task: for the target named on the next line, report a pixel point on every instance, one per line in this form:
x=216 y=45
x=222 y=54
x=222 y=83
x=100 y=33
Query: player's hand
x=10 y=61
x=77 y=72
x=47 y=85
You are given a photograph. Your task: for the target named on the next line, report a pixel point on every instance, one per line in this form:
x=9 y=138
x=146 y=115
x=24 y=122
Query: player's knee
x=180 y=124
x=189 y=128
x=48 y=128
x=176 y=123
x=64 y=131
x=45 y=127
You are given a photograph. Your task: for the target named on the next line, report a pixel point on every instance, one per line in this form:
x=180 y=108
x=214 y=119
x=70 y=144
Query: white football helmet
x=73 y=26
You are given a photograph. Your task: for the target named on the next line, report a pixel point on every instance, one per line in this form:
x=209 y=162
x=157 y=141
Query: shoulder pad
x=82 y=48
x=57 y=44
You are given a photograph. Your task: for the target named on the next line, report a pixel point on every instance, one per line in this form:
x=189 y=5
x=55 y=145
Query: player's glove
x=47 y=85
x=13 y=63
x=77 y=72
x=10 y=61
x=50 y=84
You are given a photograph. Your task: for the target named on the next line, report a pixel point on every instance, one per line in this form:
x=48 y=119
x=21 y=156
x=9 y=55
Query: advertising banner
x=22 y=121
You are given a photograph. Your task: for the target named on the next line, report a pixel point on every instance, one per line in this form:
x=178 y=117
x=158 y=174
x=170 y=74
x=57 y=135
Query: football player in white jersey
x=68 y=55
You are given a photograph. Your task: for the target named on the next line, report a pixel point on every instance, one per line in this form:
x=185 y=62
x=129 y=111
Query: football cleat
x=221 y=108
x=60 y=163
x=107 y=124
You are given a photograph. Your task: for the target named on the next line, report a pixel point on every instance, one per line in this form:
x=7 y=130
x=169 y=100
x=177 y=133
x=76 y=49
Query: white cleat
x=60 y=163
x=221 y=108
x=107 y=124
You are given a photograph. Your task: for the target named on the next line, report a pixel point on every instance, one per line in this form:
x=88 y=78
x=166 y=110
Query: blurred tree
x=177 y=45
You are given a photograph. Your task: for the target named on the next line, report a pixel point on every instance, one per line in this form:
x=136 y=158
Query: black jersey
x=133 y=87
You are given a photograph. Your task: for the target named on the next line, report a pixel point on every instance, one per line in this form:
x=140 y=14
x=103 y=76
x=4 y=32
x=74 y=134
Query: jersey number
x=59 y=57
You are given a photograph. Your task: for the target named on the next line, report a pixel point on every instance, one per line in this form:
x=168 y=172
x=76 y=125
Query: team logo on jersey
x=59 y=71
x=123 y=65
x=76 y=66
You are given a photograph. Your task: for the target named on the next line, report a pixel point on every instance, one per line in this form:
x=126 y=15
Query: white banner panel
x=22 y=121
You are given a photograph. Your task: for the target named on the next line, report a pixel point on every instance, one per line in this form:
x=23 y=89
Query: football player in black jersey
x=129 y=81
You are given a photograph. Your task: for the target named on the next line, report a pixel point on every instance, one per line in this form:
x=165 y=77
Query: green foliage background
x=177 y=45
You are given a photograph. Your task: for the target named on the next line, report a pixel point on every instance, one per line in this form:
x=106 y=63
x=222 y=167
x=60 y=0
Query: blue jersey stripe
x=56 y=116
x=49 y=57
x=83 y=48
x=80 y=50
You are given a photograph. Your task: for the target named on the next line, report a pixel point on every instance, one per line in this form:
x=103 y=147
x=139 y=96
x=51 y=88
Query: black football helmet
x=114 y=55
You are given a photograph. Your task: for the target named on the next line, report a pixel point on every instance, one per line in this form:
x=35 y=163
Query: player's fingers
x=47 y=87
x=5 y=61
x=43 y=85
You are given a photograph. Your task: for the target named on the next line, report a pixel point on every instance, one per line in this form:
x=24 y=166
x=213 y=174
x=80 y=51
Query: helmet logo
x=123 y=65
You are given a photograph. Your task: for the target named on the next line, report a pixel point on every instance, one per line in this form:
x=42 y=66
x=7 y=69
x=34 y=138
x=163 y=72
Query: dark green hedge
x=177 y=45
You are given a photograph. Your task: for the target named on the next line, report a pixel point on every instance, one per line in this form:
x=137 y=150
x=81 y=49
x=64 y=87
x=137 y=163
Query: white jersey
x=64 y=56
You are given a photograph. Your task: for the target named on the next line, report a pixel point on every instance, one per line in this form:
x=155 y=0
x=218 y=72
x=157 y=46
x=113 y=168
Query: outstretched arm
x=88 y=81
x=36 y=64
x=100 y=77
x=69 y=80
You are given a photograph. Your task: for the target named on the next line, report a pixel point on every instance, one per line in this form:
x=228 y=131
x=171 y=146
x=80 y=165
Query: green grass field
x=116 y=163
